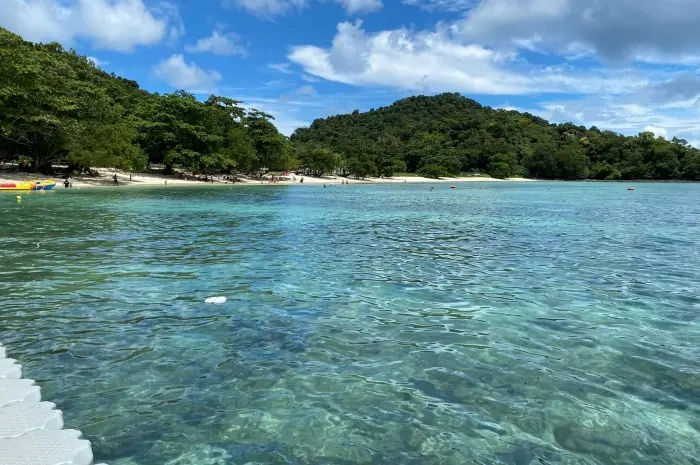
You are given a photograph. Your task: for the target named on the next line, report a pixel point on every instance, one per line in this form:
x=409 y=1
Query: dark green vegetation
x=57 y=107
x=451 y=134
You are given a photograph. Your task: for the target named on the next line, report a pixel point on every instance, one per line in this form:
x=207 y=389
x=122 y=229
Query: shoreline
x=154 y=180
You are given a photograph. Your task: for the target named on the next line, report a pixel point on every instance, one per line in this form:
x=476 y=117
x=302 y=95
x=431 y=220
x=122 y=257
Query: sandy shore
x=139 y=179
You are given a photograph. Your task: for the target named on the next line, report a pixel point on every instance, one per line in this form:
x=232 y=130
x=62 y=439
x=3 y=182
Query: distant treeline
x=57 y=107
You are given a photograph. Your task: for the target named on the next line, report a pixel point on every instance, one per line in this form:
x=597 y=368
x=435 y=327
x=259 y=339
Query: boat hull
x=28 y=186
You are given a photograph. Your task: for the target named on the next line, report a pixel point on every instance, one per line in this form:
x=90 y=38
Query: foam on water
x=514 y=324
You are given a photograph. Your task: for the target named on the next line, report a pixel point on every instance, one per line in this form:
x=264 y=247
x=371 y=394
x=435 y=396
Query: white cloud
x=219 y=44
x=615 y=30
x=436 y=61
x=188 y=76
x=118 y=25
x=658 y=132
x=360 y=6
x=281 y=67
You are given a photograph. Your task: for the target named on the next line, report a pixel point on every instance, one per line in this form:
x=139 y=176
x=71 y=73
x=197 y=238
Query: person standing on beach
x=116 y=180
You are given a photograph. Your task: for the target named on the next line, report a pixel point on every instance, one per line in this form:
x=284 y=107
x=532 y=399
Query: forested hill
x=451 y=134
x=57 y=107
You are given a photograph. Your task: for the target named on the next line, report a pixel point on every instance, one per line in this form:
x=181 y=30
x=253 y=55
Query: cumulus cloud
x=436 y=61
x=616 y=30
x=658 y=132
x=118 y=25
x=218 y=43
x=188 y=76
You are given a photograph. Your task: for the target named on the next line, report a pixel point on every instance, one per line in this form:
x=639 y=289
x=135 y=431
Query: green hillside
x=450 y=134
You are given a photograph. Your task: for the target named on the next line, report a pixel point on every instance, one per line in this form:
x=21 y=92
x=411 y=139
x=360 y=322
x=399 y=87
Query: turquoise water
x=504 y=323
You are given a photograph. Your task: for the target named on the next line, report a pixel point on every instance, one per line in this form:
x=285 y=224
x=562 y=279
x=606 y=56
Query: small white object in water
x=215 y=300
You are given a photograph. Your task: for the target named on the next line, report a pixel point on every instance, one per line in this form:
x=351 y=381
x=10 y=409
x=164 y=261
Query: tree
x=106 y=145
x=541 y=162
x=41 y=99
x=318 y=160
x=434 y=171
x=499 y=170
x=270 y=146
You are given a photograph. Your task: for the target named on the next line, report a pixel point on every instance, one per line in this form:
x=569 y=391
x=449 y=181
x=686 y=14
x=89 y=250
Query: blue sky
x=625 y=65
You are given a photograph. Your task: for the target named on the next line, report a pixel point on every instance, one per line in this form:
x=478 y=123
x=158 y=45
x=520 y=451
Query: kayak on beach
x=28 y=186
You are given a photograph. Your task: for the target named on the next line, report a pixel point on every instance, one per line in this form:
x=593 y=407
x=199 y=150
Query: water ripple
x=513 y=324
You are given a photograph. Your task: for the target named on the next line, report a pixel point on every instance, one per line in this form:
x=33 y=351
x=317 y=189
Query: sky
x=624 y=65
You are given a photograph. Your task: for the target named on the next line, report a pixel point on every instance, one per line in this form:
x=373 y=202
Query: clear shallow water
x=514 y=324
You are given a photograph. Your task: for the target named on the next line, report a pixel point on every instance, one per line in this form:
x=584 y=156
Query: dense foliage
x=451 y=134
x=58 y=107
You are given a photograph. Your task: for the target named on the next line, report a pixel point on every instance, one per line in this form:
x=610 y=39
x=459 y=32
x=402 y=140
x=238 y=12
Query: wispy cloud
x=311 y=79
x=267 y=8
x=306 y=90
x=283 y=68
x=271 y=8
x=442 y=5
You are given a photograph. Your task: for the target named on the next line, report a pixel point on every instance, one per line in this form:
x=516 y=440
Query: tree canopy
x=449 y=134
x=58 y=107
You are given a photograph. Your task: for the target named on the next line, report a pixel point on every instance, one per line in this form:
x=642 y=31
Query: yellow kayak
x=28 y=186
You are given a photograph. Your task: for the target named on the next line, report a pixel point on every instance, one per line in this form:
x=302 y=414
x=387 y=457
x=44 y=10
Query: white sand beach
x=106 y=179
